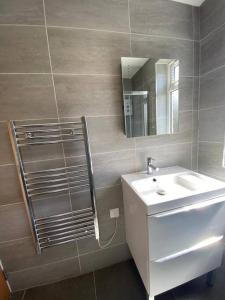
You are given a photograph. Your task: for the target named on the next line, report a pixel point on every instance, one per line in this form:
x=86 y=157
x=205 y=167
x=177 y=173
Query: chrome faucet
x=150 y=166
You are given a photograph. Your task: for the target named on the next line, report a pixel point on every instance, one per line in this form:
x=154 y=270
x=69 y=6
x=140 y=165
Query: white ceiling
x=191 y=2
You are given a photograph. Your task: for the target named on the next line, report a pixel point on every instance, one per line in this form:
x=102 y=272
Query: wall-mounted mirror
x=150 y=96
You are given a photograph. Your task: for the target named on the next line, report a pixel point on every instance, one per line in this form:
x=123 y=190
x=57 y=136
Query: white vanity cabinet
x=178 y=243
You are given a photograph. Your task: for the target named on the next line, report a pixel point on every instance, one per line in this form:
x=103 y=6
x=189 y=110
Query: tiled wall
x=61 y=59
x=212 y=88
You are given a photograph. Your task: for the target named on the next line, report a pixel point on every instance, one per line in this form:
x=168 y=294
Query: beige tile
x=25 y=255
x=109 y=198
x=44 y=274
x=210 y=159
x=80 y=200
x=27 y=12
x=86 y=51
x=107 y=229
x=94 y=14
x=88 y=95
x=104 y=258
x=26 y=97
x=109 y=167
x=52 y=205
x=13 y=222
x=23 y=49
x=186 y=93
x=212 y=51
x=9 y=185
x=6 y=154
x=212 y=124
x=159 y=17
x=165 y=156
x=106 y=134
x=163 y=47
x=184 y=135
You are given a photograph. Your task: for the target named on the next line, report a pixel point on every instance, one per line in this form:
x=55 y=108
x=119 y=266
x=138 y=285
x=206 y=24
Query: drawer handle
x=189 y=208
x=208 y=242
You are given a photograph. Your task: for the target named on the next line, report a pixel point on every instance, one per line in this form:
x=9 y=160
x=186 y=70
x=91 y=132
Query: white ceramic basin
x=163 y=189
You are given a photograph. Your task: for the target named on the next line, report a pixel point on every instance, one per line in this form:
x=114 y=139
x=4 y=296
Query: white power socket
x=114 y=213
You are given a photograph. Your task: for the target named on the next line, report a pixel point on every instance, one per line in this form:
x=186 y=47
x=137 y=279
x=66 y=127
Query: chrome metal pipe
x=55 y=169
x=46 y=124
x=74 y=212
x=50 y=142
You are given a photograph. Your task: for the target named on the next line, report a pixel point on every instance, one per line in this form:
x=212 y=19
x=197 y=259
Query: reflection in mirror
x=150 y=96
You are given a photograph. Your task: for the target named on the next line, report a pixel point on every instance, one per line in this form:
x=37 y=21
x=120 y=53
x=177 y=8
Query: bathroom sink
x=163 y=189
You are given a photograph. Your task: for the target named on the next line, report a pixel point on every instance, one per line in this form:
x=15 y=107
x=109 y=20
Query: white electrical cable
x=107 y=243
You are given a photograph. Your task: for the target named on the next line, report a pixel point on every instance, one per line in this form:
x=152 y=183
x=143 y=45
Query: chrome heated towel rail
x=66 y=227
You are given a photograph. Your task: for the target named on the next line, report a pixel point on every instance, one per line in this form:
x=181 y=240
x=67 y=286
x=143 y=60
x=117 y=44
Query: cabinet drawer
x=173 y=271
x=175 y=230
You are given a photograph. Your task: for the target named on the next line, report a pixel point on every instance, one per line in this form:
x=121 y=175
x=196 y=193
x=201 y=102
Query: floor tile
x=80 y=288
x=17 y=296
x=119 y=282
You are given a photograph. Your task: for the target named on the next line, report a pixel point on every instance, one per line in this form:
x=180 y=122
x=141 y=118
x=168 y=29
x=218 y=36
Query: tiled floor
x=121 y=282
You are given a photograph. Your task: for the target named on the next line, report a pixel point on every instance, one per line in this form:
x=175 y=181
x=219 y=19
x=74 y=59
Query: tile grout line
x=129 y=24
x=23 y=296
x=99 y=30
x=96 y=297
x=193 y=83
x=65 y=259
x=57 y=109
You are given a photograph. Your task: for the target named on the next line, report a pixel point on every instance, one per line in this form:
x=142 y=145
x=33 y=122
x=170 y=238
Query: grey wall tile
x=95 y=14
x=108 y=167
x=121 y=281
x=13 y=222
x=184 y=135
x=51 y=156
x=212 y=51
x=112 y=138
x=166 y=156
x=27 y=12
x=80 y=200
x=53 y=205
x=195 y=157
x=88 y=95
x=23 y=49
x=208 y=7
x=210 y=159
x=9 y=185
x=185 y=93
x=104 y=258
x=21 y=254
x=196 y=22
x=212 y=124
x=87 y=246
x=44 y=274
x=157 y=17
x=107 y=199
x=87 y=52
x=6 y=154
x=214 y=20
x=213 y=89
x=196 y=94
x=162 y=47
x=26 y=97
x=81 y=288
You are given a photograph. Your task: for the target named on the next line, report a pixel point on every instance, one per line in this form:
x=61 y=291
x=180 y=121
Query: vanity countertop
x=172 y=188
